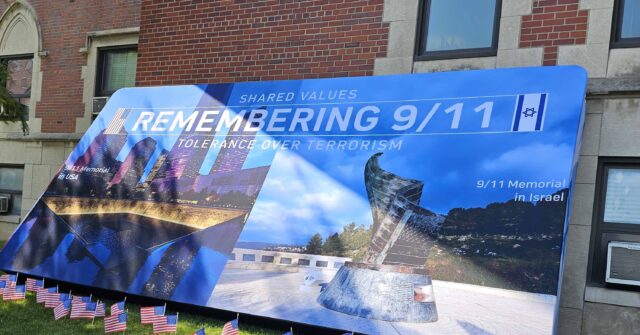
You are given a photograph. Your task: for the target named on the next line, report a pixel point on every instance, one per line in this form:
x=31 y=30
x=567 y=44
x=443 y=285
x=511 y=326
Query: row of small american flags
x=78 y=307
x=83 y=307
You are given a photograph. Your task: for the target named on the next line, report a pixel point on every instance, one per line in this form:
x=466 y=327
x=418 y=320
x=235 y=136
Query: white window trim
x=95 y=41
x=21 y=11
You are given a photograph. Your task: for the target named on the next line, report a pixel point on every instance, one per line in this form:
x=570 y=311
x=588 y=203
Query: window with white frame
x=458 y=29
x=617 y=211
x=11 y=187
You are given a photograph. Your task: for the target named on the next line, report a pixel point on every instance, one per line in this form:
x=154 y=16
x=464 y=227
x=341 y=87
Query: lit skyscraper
x=132 y=169
x=233 y=158
x=183 y=162
x=154 y=170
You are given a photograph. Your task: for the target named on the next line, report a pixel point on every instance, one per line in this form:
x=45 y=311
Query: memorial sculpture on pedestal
x=392 y=283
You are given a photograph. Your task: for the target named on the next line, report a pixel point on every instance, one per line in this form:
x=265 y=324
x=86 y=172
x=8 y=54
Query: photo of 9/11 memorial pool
x=107 y=221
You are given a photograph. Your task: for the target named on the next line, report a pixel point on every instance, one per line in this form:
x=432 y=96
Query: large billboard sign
x=406 y=204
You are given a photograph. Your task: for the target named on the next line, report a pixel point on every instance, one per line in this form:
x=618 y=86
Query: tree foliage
x=356 y=240
x=333 y=246
x=352 y=242
x=314 y=246
x=10 y=109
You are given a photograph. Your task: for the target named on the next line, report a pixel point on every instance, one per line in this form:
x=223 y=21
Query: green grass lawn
x=28 y=317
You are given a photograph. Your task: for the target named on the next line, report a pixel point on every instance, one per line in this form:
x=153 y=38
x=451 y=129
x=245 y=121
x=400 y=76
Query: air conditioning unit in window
x=98 y=104
x=4 y=203
x=623 y=263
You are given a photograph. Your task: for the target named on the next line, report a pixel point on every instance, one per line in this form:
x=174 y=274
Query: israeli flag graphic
x=529 y=114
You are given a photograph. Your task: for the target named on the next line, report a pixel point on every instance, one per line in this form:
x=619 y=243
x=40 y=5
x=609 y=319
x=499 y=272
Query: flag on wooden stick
x=18 y=292
x=149 y=315
x=115 y=323
x=62 y=310
x=34 y=285
x=166 y=324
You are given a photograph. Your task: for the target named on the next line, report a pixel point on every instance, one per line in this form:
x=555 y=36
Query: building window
x=338 y=265
x=617 y=211
x=232 y=257
x=322 y=264
x=304 y=262
x=622 y=196
x=249 y=257
x=285 y=261
x=626 y=24
x=116 y=69
x=19 y=74
x=11 y=187
x=267 y=259
x=458 y=29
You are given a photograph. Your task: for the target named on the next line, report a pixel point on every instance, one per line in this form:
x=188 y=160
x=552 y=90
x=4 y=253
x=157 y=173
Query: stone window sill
x=612 y=297
x=10 y=218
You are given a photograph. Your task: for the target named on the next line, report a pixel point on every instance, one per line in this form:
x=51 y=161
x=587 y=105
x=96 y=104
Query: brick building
x=79 y=51
x=53 y=50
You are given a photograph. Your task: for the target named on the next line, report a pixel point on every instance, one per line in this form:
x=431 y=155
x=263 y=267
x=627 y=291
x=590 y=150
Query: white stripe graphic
x=117 y=122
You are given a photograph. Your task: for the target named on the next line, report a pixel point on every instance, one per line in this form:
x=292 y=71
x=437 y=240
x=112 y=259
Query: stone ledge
x=10 y=219
x=388 y=268
x=605 y=86
x=612 y=297
x=37 y=137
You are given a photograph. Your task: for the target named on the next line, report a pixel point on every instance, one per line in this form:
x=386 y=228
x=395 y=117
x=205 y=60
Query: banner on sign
x=252 y=196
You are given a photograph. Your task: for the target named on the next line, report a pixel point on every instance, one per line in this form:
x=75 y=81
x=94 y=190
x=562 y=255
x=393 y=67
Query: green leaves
x=10 y=109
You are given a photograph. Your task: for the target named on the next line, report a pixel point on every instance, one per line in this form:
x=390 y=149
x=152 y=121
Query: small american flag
x=52 y=300
x=44 y=292
x=115 y=323
x=9 y=282
x=83 y=310
x=200 y=332
x=148 y=315
x=230 y=328
x=62 y=310
x=18 y=292
x=34 y=285
x=77 y=299
x=9 y=278
x=166 y=324
x=117 y=308
x=100 y=310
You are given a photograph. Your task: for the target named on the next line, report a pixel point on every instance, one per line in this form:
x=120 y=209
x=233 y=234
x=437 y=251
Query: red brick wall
x=64 y=25
x=186 y=42
x=553 y=23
